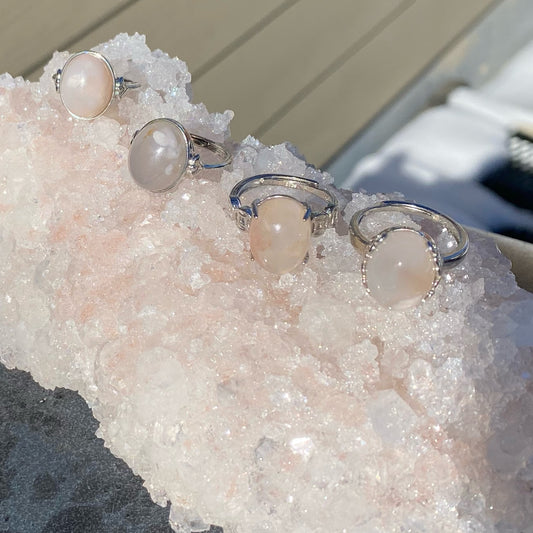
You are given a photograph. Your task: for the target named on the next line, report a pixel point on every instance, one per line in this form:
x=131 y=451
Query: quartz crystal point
x=255 y=401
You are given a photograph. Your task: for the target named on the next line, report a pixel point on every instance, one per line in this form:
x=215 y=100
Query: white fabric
x=439 y=157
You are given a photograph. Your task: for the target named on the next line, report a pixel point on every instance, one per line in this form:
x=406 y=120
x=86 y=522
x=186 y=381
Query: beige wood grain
x=30 y=31
x=334 y=110
x=286 y=55
x=306 y=71
x=196 y=31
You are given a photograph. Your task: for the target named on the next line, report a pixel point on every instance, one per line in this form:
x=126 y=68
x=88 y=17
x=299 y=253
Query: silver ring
x=87 y=84
x=401 y=266
x=162 y=151
x=280 y=225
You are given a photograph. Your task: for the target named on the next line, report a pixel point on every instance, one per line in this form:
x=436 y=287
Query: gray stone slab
x=56 y=476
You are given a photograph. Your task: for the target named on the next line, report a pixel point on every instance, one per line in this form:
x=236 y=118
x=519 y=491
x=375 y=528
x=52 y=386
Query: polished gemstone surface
x=158 y=155
x=400 y=270
x=280 y=235
x=87 y=85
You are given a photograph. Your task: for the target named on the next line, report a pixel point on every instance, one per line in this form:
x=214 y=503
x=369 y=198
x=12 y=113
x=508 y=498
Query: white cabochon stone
x=279 y=235
x=158 y=155
x=401 y=270
x=87 y=85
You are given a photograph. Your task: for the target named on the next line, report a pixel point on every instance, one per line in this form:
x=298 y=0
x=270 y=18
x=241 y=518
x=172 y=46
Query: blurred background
x=310 y=72
x=422 y=97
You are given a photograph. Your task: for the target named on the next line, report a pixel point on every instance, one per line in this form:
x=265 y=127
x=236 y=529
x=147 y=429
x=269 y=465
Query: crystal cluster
x=255 y=401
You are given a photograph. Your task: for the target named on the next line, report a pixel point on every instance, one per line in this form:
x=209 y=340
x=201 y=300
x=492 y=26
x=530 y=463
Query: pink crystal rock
x=254 y=401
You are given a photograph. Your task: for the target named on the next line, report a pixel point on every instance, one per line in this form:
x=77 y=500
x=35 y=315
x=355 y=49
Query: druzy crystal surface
x=251 y=400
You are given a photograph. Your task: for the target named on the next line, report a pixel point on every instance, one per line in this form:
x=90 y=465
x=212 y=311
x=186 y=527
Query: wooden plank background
x=306 y=71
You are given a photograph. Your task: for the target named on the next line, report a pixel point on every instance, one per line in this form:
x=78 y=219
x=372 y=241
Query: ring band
x=402 y=266
x=87 y=84
x=196 y=163
x=280 y=225
x=162 y=151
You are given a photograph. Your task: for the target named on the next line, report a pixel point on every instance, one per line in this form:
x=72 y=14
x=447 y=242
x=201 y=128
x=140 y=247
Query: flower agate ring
x=162 y=151
x=401 y=266
x=87 y=84
x=281 y=226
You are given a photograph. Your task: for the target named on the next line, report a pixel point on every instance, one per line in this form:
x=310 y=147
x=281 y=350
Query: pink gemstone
x=401 y=269
x=87 y=84
x=280 y=234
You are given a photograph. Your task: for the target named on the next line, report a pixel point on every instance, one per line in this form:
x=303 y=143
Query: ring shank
x=122 y=85
x=322 y=219
x=361 y=241
x=291 y=182
x=214 y=147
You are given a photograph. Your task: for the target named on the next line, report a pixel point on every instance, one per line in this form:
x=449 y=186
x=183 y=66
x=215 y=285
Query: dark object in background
x=56 y=476
x=513 y=181
x=521 y=152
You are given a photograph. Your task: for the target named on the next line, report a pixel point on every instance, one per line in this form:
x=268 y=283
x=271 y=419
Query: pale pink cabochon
x=401 y=270
x=87 y=85
x=280 y=234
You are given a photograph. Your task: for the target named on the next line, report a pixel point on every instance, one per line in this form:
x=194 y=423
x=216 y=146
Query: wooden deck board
x=194 y=31
x=31 y=31
x=259 y=79
x=371 y=78
x=306 y=71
